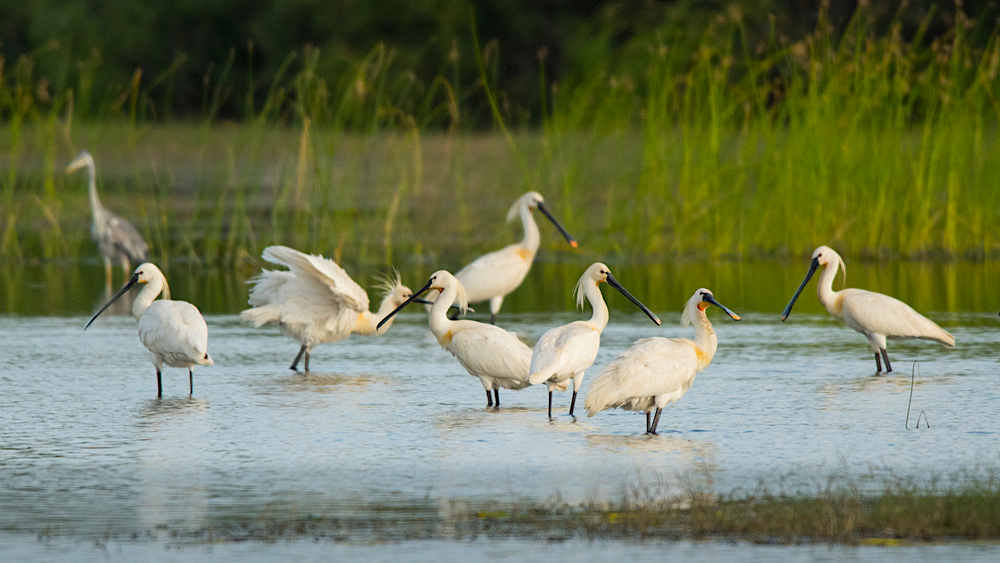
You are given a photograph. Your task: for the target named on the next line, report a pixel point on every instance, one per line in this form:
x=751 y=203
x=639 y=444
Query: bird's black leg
x=572 y=403
x=489 y=399
x=878 y=363
x=550 y=404
x=496 y=394
x=885 y=356
x=656 y=421
x=159 y=384
x=647 y=422
x=191 y=381
x=295 y=364
x=493 y=318
x=307 y=361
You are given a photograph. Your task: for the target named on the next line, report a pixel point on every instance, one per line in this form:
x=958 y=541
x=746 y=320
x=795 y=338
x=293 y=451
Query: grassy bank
x=837 y=514
x=680 y=145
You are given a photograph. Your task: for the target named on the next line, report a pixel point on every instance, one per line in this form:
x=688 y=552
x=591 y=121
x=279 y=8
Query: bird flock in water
x=314 y=301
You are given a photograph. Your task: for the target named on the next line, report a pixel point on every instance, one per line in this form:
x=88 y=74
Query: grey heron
x=117 y=240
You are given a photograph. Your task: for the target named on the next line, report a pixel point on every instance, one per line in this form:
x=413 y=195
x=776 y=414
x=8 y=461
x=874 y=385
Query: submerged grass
x=680 y=145
x=841 y=512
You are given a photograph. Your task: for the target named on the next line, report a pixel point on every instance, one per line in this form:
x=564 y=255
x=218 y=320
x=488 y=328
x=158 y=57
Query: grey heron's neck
x=532 y=238
x=147 y=296
x=95 y=202
x=824 y=287
x=601 y=314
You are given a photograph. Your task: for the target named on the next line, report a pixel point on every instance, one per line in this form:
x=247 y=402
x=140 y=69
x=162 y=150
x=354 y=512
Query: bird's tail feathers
x=944 y=337
x=541 y=375
x=260 y=316
x=206 y=360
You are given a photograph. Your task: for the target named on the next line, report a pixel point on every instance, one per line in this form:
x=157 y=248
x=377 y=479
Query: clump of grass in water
x=840 y=510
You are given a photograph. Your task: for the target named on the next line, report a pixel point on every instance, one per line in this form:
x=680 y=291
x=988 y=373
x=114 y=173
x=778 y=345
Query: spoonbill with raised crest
x=486 y=351
x=566 y=352
x=874 y=315
x=315 y=301
x=174 y=332
x=655 y=372
x=116 y=238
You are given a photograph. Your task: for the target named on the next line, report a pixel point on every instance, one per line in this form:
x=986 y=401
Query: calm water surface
x=87 y=448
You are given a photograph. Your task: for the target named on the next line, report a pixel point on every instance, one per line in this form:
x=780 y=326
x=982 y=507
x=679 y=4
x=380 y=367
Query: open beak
x=412 y=298
x=128 y=286
x=614 y=283
x=809 y=274
x=423 y=301
x=710 y=299
x=569 y=239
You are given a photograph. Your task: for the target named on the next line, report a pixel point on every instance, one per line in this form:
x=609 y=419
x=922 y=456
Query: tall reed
x=674 y=146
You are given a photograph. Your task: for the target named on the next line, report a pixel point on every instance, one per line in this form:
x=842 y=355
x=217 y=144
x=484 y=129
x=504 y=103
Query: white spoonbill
x=116 y=239
x=174 y=332
x=488 y=352
x=492 y=276
x=655 y=372
x=872 y=314
x=315 y=301
x=566 y=352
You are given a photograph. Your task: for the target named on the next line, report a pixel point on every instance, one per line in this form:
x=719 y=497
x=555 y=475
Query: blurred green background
x=399 y=132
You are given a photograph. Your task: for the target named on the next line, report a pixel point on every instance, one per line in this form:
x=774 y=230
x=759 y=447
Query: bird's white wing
x=491 y=351
x=175 y=329
x=125 y=239
x=321 y=270
x=495 y=274
x=564 y=351
x=650 y=367
x=881 y=314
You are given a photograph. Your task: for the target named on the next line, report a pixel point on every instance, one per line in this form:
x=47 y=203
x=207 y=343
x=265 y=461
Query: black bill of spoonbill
x=174 y=332
x=874 y=315
x=491 y=277
x=655 y=372
x=116 y=238
x=316 y=302
x=566 y=352
x=486 y=351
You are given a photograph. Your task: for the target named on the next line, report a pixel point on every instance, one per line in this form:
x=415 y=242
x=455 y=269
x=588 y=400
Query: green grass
x=837 y=511
x=682 y=145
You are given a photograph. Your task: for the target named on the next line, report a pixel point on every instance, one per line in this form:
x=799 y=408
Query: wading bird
x=315 y=301
x=566 y=352
x=872 y=314
x=488 y=352
x=117 y=240
x=655 y=372
x=492 y=276
x=174 y=332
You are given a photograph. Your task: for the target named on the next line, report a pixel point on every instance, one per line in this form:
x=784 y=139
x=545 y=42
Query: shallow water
x=24 y=547
x=87 y=448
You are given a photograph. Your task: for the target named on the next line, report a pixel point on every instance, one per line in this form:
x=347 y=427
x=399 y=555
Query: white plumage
x=655 y=372
x=874 y=315
x=116 y=238
x=174 y=332
x=315 y=301
x=492 y=276
x=565 y=353
x=493 y=355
